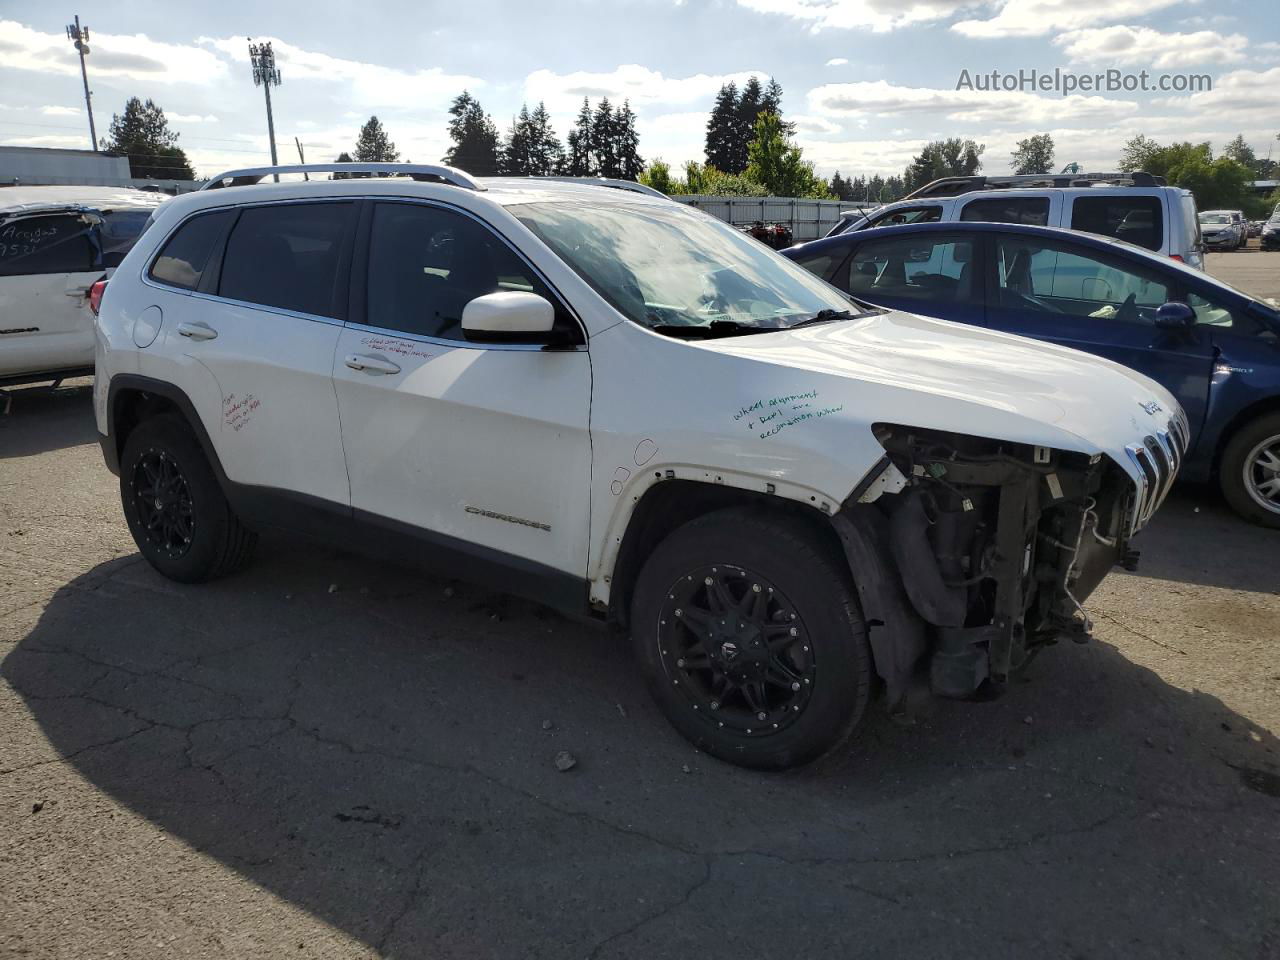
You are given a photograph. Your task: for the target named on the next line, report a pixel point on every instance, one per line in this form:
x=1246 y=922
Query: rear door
x=250 y=303
x=1101 y=302
x=934 y=273
x=47 y=263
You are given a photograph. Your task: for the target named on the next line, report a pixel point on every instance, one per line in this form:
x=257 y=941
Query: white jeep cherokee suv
x=627 y=410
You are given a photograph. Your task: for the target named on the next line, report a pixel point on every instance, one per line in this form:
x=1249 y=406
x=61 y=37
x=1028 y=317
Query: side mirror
x=508 y=317
x=1175 y=315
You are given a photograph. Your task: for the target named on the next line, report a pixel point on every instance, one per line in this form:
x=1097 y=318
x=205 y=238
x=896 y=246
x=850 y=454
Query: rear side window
x=54 y=244
x=926 y=214
x=184 y=258
x=286 y=256
x=1028 y=210
x=1138 y=220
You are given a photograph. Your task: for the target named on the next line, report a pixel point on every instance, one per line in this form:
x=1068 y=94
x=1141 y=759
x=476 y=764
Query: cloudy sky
x=867 y=81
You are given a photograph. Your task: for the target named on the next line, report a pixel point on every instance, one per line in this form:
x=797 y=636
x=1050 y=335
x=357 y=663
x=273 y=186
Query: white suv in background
x=629 y=411
x=1134 y=207
x=55 y=242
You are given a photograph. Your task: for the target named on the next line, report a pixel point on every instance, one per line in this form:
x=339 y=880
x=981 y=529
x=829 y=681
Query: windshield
x=1215 y=218
x=671 y=269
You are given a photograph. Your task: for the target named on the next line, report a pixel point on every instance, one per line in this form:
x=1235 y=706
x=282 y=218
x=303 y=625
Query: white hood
x=957 y=377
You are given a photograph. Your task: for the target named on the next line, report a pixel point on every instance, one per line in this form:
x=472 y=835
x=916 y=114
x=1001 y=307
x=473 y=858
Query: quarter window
x=55 y=244
x=427 y=263
x=286 y=256
x=914 y=268
x=184 y=258
x=1138 y=220
x=1029 y=210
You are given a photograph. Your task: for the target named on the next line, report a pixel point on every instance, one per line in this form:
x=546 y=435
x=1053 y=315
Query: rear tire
x=1249 y=472
x=751 y=640
x=174 y=506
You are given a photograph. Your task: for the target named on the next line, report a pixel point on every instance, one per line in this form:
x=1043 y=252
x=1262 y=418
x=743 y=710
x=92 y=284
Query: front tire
x=1249 y=473
x=175 y=509
x=751 y=640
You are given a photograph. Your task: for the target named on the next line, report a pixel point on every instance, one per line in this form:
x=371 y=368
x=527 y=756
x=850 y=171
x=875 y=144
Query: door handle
x=366 y=364
x=196 y=331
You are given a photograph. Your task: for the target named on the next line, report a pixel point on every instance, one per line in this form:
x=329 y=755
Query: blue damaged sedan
x=1214 y=347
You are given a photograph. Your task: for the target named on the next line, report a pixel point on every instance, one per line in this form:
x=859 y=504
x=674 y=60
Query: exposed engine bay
x=996 y=546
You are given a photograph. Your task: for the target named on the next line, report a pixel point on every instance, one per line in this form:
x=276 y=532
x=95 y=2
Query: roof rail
x=954 y=186
x=616 y=184
x=434 y=173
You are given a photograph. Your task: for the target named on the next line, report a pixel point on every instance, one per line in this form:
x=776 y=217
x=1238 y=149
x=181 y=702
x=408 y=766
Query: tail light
x=95 y=296
x=1177 y=256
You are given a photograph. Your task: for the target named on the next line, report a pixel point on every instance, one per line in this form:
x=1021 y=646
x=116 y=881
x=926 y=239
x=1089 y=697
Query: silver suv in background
x=1135 y=207
x=1222 y=230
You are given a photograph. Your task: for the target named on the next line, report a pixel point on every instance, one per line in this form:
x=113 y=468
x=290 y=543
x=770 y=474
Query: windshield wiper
x=711 y=331
x=824 y=316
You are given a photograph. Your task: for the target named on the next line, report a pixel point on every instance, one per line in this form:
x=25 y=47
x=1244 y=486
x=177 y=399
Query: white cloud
x=563 y=92
x=1132 y=46
x=135 y=57
x=1240 y=98
x=56 y=111
x=877 y=16
x=837 y=61
x=1033 y=18
x=387 y=87
x=191 y=118
x=808 y=124
x=880 y=98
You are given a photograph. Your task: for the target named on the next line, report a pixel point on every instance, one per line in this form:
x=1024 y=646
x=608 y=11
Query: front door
x=481 y=448
x=930 y=273
x=1103 y=303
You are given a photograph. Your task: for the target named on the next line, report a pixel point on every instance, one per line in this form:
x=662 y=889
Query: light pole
x=81 y=37
x=266 y=76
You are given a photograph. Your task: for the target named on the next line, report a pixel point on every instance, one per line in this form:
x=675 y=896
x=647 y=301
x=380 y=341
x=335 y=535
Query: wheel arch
x=666 y=506
x=133 y=398
x=1241 y=419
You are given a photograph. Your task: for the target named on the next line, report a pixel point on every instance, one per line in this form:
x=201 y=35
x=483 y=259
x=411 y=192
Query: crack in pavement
x=1138 y=633
x=656 y=915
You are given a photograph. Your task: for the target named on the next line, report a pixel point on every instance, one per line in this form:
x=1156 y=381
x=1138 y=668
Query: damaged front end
x=994 y=547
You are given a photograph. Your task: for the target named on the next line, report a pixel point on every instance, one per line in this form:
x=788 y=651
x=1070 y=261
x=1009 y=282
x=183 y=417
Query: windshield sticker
x=403 y=348
x=770 y=416
x=238 y=411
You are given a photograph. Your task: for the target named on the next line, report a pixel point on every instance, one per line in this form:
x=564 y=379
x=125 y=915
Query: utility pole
x=266 y=76
x=81 y=37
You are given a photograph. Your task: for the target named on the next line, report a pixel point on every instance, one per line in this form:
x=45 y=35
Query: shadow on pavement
x=40 y=419
x=382 y=756
x=1197 y=539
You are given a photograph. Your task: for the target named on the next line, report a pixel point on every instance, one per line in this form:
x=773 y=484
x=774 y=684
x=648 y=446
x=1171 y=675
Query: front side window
x=54 y=244
x=185 y=257
x=930 y=213
x=1137 y=220
x=1029 y=210
x=286 y=256
x=1049 y=277
x=932 y=267
x=427 y=263
x=678 y=271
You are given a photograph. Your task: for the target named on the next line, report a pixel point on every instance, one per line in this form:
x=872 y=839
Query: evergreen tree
x=546 y=155
x=626 y=144
x=343 y=157
x=771 y=100
x=579 y=161
x=722 y=126
x=142 y=133
x=517 y=150
x=373 y=145
x=1033 y=155
x=750 y=103
x=841 y=187
x=604 y=139
x=475 y=138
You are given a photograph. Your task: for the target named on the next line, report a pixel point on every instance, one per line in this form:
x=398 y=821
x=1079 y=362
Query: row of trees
x=1222 y=182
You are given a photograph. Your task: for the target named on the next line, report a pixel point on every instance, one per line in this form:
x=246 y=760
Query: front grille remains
x=1158 y=456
